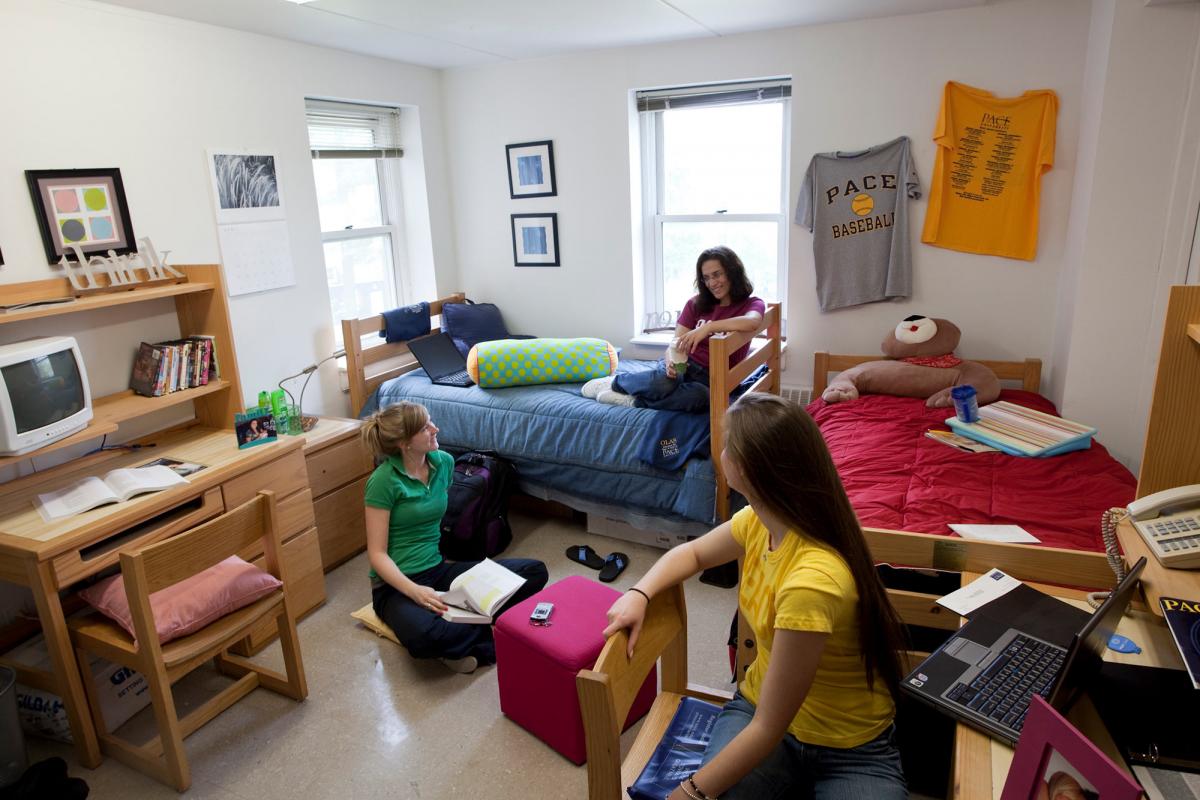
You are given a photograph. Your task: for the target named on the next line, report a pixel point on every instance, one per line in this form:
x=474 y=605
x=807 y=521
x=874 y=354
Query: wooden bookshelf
x=202 y=307
x=110 y=411
x=47 y=290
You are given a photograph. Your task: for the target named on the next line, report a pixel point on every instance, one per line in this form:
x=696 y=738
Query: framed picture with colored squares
x=81 y=207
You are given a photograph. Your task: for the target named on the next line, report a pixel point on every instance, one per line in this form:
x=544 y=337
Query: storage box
x=616 y=529
x=536 y=666
x=122 y=693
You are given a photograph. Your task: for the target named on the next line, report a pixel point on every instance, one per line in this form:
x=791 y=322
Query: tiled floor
x=378 y=723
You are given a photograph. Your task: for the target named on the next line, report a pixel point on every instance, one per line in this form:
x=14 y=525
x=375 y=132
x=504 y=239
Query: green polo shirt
x=417 y=509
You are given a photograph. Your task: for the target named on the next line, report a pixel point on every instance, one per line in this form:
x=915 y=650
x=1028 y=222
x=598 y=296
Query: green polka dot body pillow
x=527 y=362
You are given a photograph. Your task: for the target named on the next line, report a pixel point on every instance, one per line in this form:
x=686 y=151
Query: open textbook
x=115 y=487
x=475 y=596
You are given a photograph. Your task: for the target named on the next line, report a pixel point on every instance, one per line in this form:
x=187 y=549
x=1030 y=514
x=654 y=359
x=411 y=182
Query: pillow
x=186 y=607
x=468 y=324
x=526 y=362
x=367 y=616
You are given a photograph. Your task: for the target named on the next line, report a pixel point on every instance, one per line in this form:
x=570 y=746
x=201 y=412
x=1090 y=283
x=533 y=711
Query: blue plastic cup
x=966 y=404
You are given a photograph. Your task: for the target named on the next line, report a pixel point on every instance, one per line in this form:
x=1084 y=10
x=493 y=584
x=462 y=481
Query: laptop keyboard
x=1002 y=692
x=460 y=378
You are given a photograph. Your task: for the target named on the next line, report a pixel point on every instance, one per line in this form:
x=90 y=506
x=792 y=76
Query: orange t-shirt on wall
x=991 y=154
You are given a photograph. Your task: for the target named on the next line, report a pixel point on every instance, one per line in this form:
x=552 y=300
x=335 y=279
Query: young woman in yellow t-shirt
x=813 y=715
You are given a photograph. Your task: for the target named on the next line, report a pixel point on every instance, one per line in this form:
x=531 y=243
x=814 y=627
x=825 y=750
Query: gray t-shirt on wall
x=856 y=205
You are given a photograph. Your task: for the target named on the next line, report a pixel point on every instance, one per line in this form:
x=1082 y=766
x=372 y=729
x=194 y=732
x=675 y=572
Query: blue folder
x=678 y=754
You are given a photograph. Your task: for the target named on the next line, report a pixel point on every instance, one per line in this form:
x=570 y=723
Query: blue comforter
x=564 y=441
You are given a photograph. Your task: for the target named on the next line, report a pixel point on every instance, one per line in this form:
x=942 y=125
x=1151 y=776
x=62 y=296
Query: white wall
x=91 y=85
x=1139 y=214
x=854 y=84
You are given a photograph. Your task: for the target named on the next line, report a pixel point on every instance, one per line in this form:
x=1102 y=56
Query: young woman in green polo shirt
x=813 y=715
x=406 y=498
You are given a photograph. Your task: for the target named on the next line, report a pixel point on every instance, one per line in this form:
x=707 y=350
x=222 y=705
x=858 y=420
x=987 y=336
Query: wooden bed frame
x=367 y=368
x=1026 y=562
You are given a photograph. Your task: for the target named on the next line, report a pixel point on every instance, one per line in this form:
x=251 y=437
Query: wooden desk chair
x=607 y=691
x=151 y=568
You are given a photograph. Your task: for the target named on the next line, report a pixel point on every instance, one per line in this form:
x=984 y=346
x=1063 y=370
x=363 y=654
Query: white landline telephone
x=1169 y=521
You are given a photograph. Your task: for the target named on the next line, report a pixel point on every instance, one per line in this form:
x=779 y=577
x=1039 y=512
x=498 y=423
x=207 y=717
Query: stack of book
x=175 y=365
x=1021 y=431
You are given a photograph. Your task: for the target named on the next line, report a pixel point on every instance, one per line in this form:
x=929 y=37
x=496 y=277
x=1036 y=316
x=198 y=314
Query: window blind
x=714 y=94
x=347 y=130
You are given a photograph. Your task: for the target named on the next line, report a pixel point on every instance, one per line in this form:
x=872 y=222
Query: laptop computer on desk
x=441 y=360
x=1012 y=648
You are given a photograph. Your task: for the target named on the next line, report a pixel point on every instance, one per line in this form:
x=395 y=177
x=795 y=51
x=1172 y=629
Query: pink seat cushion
x=536 y=666
x=193 y=603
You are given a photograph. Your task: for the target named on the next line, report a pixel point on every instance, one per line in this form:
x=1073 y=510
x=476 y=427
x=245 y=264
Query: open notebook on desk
x=115 y=487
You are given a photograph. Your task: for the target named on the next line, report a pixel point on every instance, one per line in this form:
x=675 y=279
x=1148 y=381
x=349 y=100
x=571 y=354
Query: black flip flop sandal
x=584 y=554
x=614 y=565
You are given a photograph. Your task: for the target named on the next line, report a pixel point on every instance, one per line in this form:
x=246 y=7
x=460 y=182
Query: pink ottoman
x=536 y=666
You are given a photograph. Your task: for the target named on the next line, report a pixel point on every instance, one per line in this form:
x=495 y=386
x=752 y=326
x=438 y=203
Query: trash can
x=12 y=742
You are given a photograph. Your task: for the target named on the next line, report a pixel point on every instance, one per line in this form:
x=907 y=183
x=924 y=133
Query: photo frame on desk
x=85 y=208
x=531 y=169
x=256 y=426
x=1053 y=759
x=535 y=240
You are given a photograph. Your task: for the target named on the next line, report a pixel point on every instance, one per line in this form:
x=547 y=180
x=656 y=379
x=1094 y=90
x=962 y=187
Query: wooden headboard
x=1028 y=372
x=359 y=359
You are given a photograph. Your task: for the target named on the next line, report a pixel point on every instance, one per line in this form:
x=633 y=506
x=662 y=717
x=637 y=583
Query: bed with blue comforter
x=570 y=448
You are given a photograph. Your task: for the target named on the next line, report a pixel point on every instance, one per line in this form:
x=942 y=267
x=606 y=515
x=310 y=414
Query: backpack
x=475 y=525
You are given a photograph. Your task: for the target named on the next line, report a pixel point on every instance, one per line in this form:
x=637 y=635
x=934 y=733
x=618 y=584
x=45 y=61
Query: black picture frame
x=531 y=170
x=531 y=248
x=82 y=207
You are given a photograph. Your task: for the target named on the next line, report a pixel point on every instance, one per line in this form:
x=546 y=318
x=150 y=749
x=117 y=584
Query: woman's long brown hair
x=780 y=453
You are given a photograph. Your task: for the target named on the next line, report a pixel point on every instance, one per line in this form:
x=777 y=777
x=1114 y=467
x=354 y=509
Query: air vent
x=801 y=395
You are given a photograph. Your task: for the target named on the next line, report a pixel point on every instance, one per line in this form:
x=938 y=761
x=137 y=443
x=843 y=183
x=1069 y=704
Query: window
x=714 y=167
x=354 y=150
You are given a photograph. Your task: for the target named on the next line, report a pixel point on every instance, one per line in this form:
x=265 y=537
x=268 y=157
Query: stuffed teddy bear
x=922 y=364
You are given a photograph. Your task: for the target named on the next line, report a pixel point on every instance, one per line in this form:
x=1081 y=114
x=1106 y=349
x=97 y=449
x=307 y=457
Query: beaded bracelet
x=699 y=793
x=688 y=792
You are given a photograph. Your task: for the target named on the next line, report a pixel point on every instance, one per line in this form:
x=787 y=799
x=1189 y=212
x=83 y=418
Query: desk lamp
x=306 y=423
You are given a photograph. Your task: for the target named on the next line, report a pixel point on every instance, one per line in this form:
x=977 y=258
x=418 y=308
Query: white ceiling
x=455 y=33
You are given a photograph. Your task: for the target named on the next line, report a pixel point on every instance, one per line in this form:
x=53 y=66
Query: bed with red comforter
x=899 y=479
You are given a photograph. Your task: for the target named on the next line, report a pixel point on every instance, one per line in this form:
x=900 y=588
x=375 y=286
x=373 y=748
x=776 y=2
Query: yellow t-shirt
x=806 y=586
x=986 y=184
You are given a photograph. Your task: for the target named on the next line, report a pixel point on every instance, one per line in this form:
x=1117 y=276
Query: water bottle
x=677 y=359
x=966 y=404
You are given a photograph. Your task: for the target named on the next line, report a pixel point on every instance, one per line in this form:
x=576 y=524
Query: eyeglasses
x=713 y=278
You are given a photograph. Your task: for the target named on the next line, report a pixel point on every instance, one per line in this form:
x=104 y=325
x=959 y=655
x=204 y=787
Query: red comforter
x=900 y=479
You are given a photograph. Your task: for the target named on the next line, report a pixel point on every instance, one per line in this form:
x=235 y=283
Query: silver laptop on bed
x=987 y=673
x=441 y=360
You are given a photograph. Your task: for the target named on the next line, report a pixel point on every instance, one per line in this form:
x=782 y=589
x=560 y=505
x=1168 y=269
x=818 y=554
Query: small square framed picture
x=531 y=169
x=535 y=240
x=82 y=208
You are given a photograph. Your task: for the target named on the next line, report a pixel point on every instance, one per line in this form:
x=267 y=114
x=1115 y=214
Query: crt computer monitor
x=44 y=393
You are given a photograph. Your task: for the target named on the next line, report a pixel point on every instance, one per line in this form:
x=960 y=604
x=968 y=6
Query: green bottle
x=264 y=399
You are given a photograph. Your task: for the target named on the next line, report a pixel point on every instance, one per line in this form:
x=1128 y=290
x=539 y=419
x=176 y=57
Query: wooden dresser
x=338 y=468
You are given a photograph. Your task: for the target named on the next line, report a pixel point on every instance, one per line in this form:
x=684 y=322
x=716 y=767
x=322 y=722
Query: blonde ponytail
x=388 y=429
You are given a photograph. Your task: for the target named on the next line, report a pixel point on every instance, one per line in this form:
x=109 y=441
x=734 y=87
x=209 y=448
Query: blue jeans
x=426 y=635
x=796 y=769
x=653 y=389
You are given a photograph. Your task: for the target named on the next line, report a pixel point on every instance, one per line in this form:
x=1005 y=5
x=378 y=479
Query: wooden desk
x=50 y=557
x=981 y=763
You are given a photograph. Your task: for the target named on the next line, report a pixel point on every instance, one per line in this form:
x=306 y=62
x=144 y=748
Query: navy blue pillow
x=468 y=324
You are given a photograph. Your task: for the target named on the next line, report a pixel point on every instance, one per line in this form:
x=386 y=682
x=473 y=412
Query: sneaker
x=463 y=666
x=594 y=387
x=615 y=398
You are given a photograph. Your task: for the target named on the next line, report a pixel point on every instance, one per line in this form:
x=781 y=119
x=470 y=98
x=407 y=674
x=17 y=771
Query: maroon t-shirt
x=691 y=318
